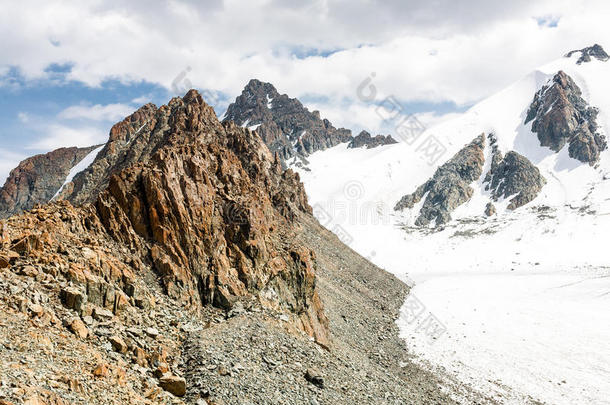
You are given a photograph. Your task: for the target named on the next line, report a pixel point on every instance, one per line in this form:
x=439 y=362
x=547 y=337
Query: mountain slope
x=508 y=287
x=37 y=179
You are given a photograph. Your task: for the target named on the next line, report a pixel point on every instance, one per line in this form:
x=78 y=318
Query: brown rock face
x=285 y=125
x=560 y=116
x=37 y=179
x=173 y=384
x=209 y=206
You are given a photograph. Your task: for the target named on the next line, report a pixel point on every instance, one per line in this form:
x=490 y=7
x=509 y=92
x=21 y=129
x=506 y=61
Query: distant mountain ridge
x=557 y=118
x=286 y=126
x=38 y=178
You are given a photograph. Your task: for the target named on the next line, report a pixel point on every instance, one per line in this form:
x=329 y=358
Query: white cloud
x=58 y=135
x=23 y=117
x=142 y=100
x=97 y=112
x=8 y=161
x=421 y=51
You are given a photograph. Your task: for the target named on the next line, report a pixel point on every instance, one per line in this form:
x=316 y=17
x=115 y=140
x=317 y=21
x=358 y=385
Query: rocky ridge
x=365 y=139
x=560 y=116
x=595 y=51
x=37 y=179
x=451 y=186
x=285 y=125
x=209 y=205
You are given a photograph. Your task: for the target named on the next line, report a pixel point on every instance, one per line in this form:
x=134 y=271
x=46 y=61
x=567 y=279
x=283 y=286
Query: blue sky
x=71 y=69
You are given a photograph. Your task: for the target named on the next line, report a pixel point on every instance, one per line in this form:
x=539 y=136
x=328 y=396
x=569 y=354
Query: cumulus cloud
x=8 y=161
x=420 y=51
x=58 y=135
x=97 y=112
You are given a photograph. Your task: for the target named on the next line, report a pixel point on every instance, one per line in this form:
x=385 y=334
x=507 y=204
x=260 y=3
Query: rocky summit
x=185 y=266
x=364 y=139
x=596 y=51
x=560 y=116
x=37 y=179
x=285 y=125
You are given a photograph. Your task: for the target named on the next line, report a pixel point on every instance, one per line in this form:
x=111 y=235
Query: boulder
x=73 y=298
x=118 y=344
x=79 y=329
x=315 y=377
x=173 y=384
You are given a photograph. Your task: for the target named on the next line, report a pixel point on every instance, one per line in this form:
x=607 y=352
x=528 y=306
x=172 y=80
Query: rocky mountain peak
x=208 y=206
x=257 y=89
x=364 y=139
x=284 y=124
x=596 y=51
x=561 y=116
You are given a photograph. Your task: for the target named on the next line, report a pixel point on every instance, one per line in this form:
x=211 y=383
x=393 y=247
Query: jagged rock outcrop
x=561 y=116
x=515 y=174
x=512 y=175
x=490 y=209
x=365 y=139
x=37 y=179
x=449 y=187
x=595 y=51
x=285 y=125
x=209 y=205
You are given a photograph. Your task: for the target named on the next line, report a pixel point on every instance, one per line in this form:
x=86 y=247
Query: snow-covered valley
x=521 y=297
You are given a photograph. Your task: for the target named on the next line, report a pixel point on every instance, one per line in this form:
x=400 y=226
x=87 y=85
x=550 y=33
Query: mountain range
x=223 y=260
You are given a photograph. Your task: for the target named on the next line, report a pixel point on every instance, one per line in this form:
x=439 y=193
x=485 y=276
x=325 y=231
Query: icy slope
x=82 y=165
x=523 y=295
